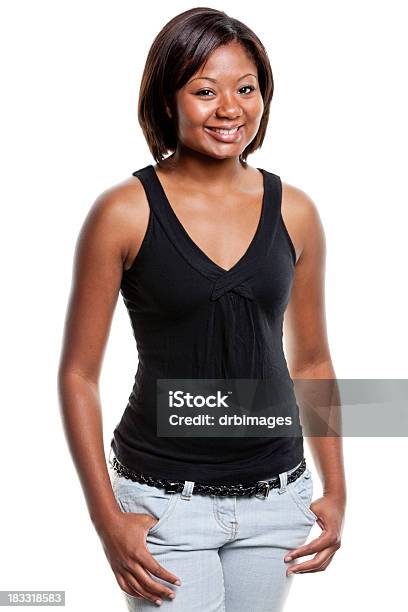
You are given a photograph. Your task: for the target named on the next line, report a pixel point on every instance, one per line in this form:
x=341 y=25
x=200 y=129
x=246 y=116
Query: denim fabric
x=227 y=551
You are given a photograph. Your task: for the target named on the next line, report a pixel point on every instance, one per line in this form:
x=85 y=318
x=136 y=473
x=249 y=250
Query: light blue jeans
x=227 y=551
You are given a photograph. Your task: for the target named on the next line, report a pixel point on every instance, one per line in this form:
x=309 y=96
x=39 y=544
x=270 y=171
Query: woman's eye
x=250 y=87
x=201 y=92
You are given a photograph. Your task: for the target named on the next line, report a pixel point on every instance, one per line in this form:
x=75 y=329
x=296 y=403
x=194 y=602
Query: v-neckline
x=197 y=249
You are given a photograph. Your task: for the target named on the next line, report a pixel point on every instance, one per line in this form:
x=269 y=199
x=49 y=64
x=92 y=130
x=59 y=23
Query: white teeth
x=227 y=132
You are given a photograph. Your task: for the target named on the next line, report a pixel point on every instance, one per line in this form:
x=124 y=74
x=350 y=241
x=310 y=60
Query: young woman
x=209 y=254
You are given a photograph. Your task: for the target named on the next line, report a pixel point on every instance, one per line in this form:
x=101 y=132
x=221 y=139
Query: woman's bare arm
x=113 y=227
x=97 y=272
x=308 y=354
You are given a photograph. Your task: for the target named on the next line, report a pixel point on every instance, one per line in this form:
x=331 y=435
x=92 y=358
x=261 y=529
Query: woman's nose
x=229 y=107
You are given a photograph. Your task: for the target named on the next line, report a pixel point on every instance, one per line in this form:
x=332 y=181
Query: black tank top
x=193 y=319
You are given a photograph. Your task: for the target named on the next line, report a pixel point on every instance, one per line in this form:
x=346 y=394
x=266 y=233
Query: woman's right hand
x=124 y=542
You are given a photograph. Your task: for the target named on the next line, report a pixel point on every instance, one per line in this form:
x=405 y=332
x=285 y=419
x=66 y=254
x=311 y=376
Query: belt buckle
x=171 y=487
x=262 y=489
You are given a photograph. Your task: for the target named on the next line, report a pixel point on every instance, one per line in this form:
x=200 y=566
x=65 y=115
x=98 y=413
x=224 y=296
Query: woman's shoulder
x=301 y=216
x=124 y=199
x=297 y=203
x=120 y=213
x=118 y=197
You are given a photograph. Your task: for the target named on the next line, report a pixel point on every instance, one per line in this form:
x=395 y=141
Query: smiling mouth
x=229 y=132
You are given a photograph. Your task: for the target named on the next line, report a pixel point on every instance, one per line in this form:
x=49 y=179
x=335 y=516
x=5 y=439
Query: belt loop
x=187 y=490
x=283 y=478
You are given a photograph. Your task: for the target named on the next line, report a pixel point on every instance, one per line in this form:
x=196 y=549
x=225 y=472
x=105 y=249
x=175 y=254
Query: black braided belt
x=260 y=488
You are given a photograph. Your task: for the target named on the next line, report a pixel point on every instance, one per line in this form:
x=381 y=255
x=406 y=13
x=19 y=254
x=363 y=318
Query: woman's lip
x=226 y=137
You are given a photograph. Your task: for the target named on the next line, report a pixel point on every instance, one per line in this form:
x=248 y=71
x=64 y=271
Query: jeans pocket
x=301 y=491
x=131 y=597
x=145 y=499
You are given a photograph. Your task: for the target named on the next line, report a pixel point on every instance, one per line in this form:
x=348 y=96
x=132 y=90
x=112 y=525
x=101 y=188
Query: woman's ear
x=168 y=111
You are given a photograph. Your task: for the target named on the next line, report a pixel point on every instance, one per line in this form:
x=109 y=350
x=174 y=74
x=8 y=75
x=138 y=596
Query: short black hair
x=178 y=51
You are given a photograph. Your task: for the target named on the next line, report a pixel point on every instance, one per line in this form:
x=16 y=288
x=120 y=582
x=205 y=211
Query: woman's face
x=224 y=93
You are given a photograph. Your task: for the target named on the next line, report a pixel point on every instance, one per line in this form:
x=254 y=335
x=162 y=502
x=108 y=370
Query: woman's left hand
x=330 y=510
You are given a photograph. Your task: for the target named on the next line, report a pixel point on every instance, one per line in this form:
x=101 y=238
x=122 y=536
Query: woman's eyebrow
x=215 y=80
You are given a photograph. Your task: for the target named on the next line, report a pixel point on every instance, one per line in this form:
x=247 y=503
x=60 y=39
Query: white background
x=70 y=78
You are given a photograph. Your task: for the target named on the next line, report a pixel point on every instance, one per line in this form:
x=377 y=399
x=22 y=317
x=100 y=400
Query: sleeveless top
x=192 y=319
